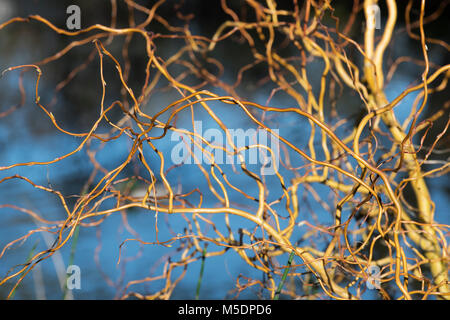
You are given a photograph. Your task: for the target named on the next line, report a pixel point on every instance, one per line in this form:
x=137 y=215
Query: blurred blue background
x=28 y=135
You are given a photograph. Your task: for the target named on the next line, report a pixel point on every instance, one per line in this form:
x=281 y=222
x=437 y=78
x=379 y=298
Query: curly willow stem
x=364 y=168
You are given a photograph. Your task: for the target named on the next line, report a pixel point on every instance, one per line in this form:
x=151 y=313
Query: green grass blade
x=72 y=255
x=285 y=273
x=30 y=255
x=202 y=269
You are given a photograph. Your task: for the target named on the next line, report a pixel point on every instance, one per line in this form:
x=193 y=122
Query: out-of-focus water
x=26 y=135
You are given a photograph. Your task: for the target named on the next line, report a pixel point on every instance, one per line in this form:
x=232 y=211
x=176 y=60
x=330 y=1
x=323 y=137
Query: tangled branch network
x=344 y=195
